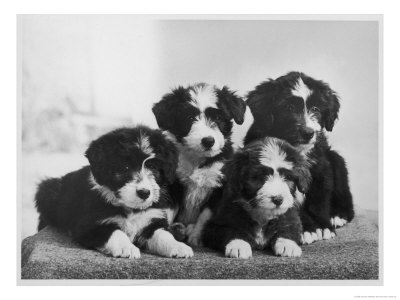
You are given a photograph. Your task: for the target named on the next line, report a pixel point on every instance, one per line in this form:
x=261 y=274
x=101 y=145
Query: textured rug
x=353 y=254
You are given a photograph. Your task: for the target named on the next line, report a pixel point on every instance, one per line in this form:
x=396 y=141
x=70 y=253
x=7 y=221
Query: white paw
x=327 y=234
x=286 y=247
x=194 y=239
x=319 y=234
x=119 y=245
x=308 y=237
x=238 y=249
x=180 y=250
x=338 y=222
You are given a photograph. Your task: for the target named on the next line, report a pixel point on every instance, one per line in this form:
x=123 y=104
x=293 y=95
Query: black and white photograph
x=200 y=147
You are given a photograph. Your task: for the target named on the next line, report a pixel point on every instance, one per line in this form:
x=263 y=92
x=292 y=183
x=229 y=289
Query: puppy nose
x=208 y=142
x=307 y=133
x=277 y=200
x=143 y=193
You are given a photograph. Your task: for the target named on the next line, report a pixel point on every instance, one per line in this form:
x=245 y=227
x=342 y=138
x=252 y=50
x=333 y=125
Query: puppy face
x=130 y=166
x=265 y=175
x=200 y=116
x=293 y=107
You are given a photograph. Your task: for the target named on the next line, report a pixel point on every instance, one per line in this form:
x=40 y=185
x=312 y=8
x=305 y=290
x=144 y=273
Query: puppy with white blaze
x=198 y=119
x=299 y=110
x=259 y=207
x=120 y=202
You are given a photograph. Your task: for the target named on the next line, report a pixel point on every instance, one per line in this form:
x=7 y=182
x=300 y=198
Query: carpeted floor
x=353 y=254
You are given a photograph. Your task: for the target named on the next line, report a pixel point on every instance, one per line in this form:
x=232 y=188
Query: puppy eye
x=192 y=118
x=314 y=109
x=290 y=107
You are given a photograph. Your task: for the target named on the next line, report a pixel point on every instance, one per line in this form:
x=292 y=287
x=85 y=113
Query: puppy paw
x=338 y=222
x=327 y=234
x=119 y=245
x=180 y=250
x=309 y=237
x=178 y=230
x=238 y=249
x=194 y=239
x=286 y=247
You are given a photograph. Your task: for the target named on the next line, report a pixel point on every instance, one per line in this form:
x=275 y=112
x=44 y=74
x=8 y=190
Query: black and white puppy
x=259 y=207
x=121 y=201
x=298 y=109
x=198 y=118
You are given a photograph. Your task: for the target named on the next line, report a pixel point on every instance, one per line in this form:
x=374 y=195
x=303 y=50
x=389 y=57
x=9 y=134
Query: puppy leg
x=342 y=201
x=194 y=233
x=163 y=243
x=231 y=241
x=110 y=240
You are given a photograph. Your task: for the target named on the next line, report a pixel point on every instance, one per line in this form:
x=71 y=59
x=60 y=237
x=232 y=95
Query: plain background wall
x=119 y=66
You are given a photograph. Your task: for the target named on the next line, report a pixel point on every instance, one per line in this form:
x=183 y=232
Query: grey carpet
x=353 y=254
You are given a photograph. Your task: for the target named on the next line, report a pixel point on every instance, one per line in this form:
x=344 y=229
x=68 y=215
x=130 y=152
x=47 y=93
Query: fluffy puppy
x=198 y=119
x=121 y=201
x=298 y=109
x=259 y=204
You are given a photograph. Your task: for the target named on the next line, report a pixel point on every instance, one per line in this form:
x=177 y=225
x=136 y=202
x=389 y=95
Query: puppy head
x=265 y=175
x=200 y=117
x=294 y=107
x=131 y=165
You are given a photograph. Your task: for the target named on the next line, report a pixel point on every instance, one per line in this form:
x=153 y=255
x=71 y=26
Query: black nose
x=143 y=193
x=277 y=200
x=207 y=142
x=307 y=133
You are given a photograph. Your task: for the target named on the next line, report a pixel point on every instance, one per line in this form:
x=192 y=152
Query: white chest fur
x=199 y=183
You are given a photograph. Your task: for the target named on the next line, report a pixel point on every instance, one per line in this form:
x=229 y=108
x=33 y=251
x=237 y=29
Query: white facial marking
x=273 y=156
x=144 y=144
x=275 y=186
x=163 y=243
x=286 y=247
x=119 y=245
x=203 y=96
x=104 y=191
x=238 y=249
x=301 y=90
x=203 y=128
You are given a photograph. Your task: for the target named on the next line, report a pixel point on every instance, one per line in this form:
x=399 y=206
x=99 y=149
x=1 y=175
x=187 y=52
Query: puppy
x=298 y=109
x=198 y=119
x=259 y=205
x=121 y=201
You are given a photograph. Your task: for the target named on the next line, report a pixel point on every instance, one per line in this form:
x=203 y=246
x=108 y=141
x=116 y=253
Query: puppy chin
x=212 y=153
x=136 y=203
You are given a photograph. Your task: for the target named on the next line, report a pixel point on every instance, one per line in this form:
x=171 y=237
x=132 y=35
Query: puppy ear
x=302 y=178
x=163 y=110
x=232 y=105
x=96 y=156
x=233 y=171
x=167 y=156
x=330 y=115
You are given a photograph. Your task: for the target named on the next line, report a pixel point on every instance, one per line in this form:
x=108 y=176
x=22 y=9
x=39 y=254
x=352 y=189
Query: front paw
x=178 y=230
x=338 y=222
x=286 y=247
x=194 y=239
x=119 y=245
x=238 y=249
x=180 y=250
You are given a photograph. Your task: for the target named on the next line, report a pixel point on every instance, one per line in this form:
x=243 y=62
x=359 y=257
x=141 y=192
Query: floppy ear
x=331 y=113
x=302 y=178
x=163 y=110
x=167 y=156
x=234 y=171
x=232 y=105
x=97 y=158
x=261 y=101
